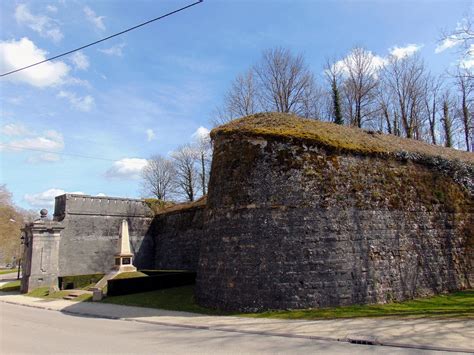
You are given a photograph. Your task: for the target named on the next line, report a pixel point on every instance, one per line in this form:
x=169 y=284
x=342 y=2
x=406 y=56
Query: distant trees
x=395 y=94
x=280 y=82
x=184 y=175
x=159 y=177
x=11 y=222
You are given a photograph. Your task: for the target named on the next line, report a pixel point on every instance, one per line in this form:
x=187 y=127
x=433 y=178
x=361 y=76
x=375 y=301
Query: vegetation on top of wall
x=199 y=203
x=330 y=135
x=157 y=205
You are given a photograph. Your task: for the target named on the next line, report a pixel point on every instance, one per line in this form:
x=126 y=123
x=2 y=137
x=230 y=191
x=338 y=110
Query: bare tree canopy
x=284 y=80
x=158 y=177
x=202 y=146
x=184 y=159
x=405 y=78
x=280 y=82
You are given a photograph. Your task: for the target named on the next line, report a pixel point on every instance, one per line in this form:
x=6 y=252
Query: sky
x=98 y=114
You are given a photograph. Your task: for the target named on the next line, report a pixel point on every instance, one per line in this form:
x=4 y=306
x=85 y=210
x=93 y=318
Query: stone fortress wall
x=91 y=231
x=295 y=224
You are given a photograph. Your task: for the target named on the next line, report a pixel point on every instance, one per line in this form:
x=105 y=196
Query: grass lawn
x=43 y=292
x=7 y=271
x=173 y=299
x=453 y=305
x=11 y=286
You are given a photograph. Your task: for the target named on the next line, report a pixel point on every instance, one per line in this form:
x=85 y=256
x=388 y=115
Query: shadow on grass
x=457 y=305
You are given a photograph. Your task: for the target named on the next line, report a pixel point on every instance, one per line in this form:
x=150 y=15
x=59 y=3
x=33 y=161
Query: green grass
x=130 y=275
x=453 y=305
x=43 y=292
x=173 y=299
x=8 y=271
x=11 y=286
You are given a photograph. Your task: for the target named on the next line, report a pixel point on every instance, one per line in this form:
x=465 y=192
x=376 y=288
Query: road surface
x=38 y=331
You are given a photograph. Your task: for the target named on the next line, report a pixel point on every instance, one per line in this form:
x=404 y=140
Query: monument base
x=123 y=263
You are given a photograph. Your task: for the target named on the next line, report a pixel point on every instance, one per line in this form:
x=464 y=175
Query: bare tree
x=465 y=85
x=184 y=159
x=158 y=177
x=432 y=98
x=406 y=79
x=284 y=81
x=202 y=147
x=360 y=84
x=462 y=35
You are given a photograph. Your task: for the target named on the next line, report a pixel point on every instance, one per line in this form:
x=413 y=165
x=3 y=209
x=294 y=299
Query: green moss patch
x=337 y=137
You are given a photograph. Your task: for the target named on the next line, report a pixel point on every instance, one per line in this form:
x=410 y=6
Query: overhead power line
x=104 y=39
x=59 y=153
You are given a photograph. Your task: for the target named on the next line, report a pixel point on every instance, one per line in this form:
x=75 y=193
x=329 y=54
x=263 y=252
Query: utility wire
x=59 y=153
x=104 y=39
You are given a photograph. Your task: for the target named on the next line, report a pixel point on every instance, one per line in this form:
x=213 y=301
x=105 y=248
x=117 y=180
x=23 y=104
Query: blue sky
x=148 y=91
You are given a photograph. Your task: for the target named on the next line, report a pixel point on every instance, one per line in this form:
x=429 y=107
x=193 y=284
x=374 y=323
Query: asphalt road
x=37 y=331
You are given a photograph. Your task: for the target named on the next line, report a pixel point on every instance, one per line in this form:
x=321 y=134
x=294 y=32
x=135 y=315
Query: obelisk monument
x=124 y=257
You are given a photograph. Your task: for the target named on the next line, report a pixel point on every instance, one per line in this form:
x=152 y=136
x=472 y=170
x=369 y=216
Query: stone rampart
x=91 y=232
x=292 y=223
x=177 y=237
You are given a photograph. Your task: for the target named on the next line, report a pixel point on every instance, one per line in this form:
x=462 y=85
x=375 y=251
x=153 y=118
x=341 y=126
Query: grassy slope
x=457 y=304
x=334 y=136
x=8 y=271
x=11 y=286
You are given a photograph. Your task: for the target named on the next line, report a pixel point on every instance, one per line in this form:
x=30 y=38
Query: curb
x=361 y=340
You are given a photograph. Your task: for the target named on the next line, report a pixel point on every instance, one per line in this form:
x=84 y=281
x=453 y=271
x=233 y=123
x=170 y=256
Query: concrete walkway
x=435 y=334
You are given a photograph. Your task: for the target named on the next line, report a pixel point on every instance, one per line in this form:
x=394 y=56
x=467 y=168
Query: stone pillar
x=41 y=254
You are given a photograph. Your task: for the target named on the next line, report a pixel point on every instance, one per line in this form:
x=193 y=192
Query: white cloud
x=126 y=168
x=14 y=129
x=49 y=140
x=97 y=21
x=150 y=135
x=79 y=60
x=84 y=104
x=202 y=133
x=116 y=50
x=468 y=63
x=447 y=43
x=403 y=52
x=344 y=64
x=44 y=25
x=17 y=54
x=101 y=194
x=45 y=198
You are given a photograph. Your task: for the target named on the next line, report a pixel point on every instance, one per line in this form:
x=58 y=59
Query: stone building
x=302 y=213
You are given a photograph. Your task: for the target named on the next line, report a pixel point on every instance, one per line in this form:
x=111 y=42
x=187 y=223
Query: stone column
x=41 y=254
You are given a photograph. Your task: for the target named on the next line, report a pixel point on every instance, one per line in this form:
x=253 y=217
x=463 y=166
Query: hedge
x=118 y=287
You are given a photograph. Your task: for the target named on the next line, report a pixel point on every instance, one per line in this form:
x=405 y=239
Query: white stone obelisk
x=124 y=257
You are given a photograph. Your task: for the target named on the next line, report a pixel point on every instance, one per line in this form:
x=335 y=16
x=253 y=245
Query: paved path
x=38 y=331
x=434 y=334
